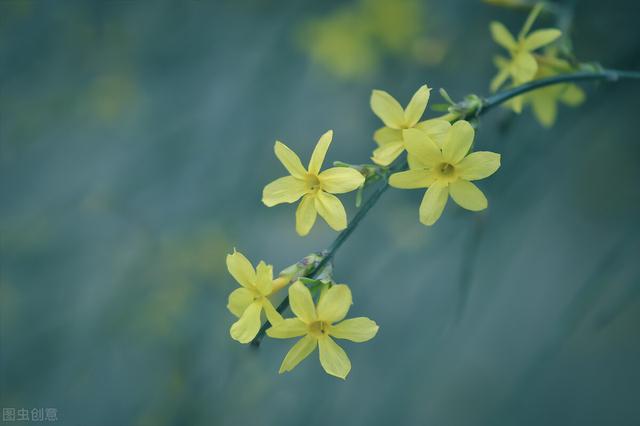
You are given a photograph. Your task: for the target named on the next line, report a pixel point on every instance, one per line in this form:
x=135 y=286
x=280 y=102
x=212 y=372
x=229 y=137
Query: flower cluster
x=524 y=64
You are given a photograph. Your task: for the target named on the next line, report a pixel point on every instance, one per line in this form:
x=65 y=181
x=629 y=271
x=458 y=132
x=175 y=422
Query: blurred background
x=136 y=138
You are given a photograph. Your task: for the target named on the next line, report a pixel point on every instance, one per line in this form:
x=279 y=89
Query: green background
x=136 y=138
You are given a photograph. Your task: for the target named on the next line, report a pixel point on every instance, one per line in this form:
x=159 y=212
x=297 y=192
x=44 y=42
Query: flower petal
x=301 y=302
x=545 y=109
x=264 y=278
x=239 y=299
x=478 y=165
x=246 y=328
x=286 y=189
x=433 y=203
x=436 y=128
x=288 y=328
x=333 y=358
x=467 y=195
x=331 y=210
x=523 y=67
x=420 y=145
x=541 y=38
x=415 y=163
x=499 y=80
x=319 y=152
x=305 y=215
x=502 y=36
x=358 y=329
x=241 y=269
x=289 y=160
x=273 y=315
x=334 y=303
x=572 y=95
x=387 y=109
x=458 y=143
x=385 y=135
x=412 y=179
x=386 y=154
x=298 y=352
x=339 y=180
x=416 y=106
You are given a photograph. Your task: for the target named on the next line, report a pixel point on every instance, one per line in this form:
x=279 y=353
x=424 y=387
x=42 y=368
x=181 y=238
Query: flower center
x=313 y=182
x=319 y=328
x=446 y=169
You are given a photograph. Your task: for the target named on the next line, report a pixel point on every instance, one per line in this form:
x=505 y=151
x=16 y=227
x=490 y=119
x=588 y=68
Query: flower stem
x=486 y=105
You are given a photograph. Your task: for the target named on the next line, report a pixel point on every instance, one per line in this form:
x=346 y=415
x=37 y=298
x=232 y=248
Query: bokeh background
x=136 y=138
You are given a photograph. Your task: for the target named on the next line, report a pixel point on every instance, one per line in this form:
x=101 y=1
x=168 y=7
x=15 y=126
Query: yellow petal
x=385 y=135
x=239 y=299
x=502 y=36
x=387 y=109
x=287 y=189
x=541 y=38
x=478 y=165
x=358 y=329
x=298 y=352
x=301 y=302
x=333 y=358
x=246 y=328
x=412 y=179
x=319 y=152
x=334 y=303
x=436 y=128
x=524 y=67
x=339 y=180
x=241 y=269
x=331 y=209
x=273 y=315
x=415 y=163
x=572 y=95
x=545 y=109
x=264 y=278
x=416 y=107
x=433 y=203
x=289 y=160
x=288 y=328
x=458 y=143
x=305 y=215
x=421 y=146
x=386 y=154
x=516 y=104
x=467 y=195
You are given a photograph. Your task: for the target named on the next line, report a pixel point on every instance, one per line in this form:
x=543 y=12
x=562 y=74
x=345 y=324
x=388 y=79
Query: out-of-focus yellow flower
x=390 y=138
x=544 y=101
x=513 y=4
x=314 y=187
x=317 y=326
x=446 y=170
x=521 y=67
x=248 y=301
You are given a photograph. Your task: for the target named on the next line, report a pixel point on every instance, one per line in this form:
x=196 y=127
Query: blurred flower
x=352 y=41
x=446 y=170
x=316 y=324
x=247 y=302
x=315 y=188
x=544 y=101
x=389 y=138
x=514 y=4
x=522 y=65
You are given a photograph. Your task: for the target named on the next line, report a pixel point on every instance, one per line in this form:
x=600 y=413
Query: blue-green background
x=136 y=138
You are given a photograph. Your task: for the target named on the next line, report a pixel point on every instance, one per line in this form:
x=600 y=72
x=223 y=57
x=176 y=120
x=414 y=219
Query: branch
x=485 y=105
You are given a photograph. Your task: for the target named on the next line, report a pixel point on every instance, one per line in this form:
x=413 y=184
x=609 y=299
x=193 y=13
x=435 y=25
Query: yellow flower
x=446 y=170
x=522 y=65
x=544 y=101
x=247 y=302
x=395 y=118
x=314 y=187
x=317 y=326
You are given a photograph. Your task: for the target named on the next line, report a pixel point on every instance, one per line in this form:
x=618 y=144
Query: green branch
x=474 y=110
